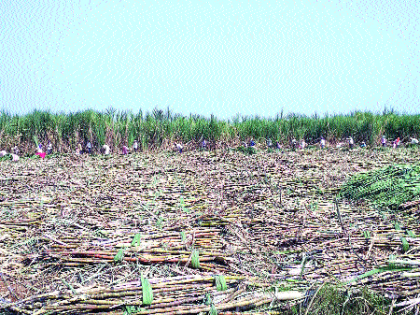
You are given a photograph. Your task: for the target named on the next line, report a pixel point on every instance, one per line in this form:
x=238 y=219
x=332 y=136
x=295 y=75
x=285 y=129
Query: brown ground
x=253 y=218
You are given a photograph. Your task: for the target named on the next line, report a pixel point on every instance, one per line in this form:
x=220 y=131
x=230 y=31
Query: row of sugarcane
x=154 y=129
x=176 y=295
x=387 y=238
x=200 y=249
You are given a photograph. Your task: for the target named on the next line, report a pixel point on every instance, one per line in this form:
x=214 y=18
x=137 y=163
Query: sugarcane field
x=248 y=225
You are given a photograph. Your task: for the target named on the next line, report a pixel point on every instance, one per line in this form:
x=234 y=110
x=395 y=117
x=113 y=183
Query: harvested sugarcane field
x=226 y=231
x=209 y=157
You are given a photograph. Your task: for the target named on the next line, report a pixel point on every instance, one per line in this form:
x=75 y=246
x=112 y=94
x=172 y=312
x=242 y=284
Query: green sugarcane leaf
x=365 y=275
x=119 y=256
x=220 y=283
x=35 y=138
x=207 y=299
x=366 y=234
x=136 y=240
x=391 y=265
x=223 y=284
x=159 y=223
x=195 y=261
x=130 y=309
x=405 y=244
x=213 y=310
x=182 y=205
x=147 y=291
x=183 y=237
x=411 y=233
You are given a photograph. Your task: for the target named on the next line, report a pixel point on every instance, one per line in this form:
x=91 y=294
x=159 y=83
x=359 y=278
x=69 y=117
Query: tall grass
x=159 y=127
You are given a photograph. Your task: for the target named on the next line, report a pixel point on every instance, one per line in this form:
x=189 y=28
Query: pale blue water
x=227 y=57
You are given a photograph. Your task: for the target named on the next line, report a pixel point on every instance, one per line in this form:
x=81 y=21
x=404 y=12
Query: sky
x=221 y=57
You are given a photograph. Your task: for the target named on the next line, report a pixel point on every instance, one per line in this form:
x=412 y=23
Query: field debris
x=391 y=187
x=199 y=232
